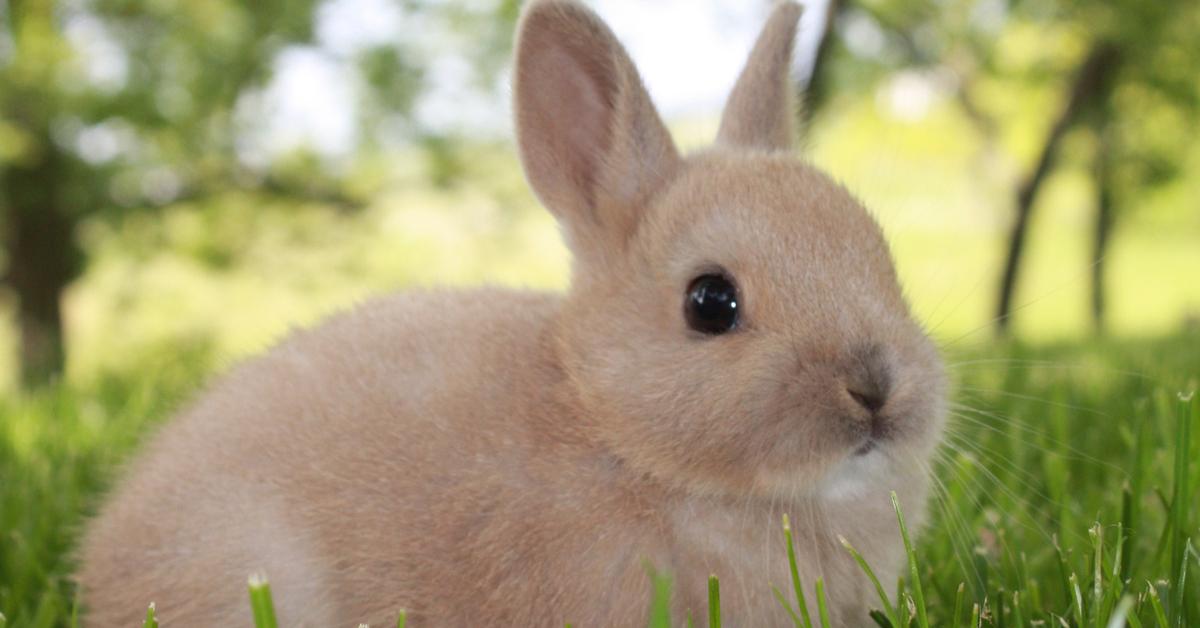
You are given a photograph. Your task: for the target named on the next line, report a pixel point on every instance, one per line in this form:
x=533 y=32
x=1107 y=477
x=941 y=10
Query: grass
x=261 y=604
x=1065 y=495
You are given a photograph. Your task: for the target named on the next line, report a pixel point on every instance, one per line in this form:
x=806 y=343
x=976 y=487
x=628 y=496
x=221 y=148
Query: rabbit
x=734 y=347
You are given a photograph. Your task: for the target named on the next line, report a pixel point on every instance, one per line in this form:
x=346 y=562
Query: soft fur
x=495 y=457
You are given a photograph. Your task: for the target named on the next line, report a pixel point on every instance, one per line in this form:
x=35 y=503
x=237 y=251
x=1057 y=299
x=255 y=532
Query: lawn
x=1057 y=490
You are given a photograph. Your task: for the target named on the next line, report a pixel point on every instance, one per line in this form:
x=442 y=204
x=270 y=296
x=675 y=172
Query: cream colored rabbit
x=734 y=346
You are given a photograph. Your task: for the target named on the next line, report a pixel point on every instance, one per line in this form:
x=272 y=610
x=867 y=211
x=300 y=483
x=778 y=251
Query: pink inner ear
x=580 y=119
x=589 y=137
x=570 y=114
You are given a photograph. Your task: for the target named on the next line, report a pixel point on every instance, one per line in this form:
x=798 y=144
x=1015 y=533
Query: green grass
x=261 y=604
x=1066 y=491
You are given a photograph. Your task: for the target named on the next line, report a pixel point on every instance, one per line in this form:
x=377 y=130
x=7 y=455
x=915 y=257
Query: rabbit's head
x=734 y=323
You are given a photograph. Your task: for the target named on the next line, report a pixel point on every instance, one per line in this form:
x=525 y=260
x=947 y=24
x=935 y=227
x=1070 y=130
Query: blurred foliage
x=112 y=106
x=133 y=180
x=1120 y=73
x=237 y=271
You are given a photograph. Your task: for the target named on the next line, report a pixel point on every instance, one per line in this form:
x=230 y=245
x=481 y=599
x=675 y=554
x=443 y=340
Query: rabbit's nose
x=869 y=378
x=872 y=400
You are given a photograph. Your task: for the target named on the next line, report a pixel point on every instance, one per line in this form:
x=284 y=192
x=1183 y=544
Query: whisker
x=966 y=297
x=1057 y=404
x=1048 y=364
x=993 y=525
x=1019 y=474
x=1021 y=518
x=1077 y=454
x=959 y=532
x=1021 y=307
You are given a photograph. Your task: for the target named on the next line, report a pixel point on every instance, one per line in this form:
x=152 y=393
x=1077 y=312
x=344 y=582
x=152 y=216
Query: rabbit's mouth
x=879 y=430
x=867 y=447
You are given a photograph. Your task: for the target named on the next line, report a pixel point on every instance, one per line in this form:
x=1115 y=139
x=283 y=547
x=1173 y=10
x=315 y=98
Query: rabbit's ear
x=591 y=142
x=759 y=112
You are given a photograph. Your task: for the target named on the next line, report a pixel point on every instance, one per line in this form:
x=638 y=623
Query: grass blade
x=1076 y=599
x=1123 y=614
x=881 y=620
x=660 y=605
x=918 y=594
x=888 y=609
x=714 y=602
x=1180 y=500
x=787 y=606
x=261 y=603
x=958 y=603
x=1064 y=568
x=402 y=620
x=822 y=607
x=801 y=603
x=1159 y=614
x=1124 y=551
x=1097 y=535
x=1180 y=586
x=151 y=618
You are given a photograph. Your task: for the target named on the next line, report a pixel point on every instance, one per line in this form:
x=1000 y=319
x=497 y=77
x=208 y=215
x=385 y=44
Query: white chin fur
x=854 y=476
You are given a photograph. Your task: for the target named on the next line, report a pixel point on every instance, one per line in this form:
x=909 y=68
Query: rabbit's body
x=381 y=462
x=734 y=347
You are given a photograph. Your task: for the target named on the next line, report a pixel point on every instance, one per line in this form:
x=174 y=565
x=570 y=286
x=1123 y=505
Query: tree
x=1136 y=72
x=1133 y=79
x=84 y=138
x=1091 y=87
x=114 y=106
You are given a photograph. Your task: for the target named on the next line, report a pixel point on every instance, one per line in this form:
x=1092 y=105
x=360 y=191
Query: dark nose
x=869 y=378
x=871 y=399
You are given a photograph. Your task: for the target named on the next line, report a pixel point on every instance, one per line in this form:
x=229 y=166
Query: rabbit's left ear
x=593 y=147
x=759 y=112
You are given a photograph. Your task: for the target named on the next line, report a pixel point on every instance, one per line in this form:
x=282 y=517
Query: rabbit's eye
x=711 y=306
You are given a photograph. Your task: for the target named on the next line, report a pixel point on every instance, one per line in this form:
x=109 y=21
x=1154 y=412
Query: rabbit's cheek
x=795 y=444
x=920 y=400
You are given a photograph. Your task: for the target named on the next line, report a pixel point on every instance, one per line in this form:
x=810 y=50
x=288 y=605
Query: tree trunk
x=1093 y=75
x=42 y=259
x=1104 y=224
x=38 y=227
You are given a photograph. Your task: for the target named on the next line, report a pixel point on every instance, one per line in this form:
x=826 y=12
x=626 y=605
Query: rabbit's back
x=367 y=464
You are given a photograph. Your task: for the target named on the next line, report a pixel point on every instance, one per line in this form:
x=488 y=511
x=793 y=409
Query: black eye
x=711 y=306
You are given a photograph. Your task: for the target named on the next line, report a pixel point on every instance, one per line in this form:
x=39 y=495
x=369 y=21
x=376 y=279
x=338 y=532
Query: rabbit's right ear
x=592 y=145
x=759 y=111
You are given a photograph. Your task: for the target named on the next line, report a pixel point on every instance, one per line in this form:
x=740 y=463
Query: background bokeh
x=183 y=181
x=197 y=177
